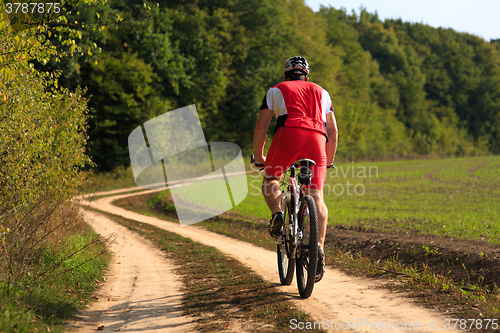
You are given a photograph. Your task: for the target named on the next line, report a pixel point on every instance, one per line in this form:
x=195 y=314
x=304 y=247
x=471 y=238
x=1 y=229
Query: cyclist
x=306 y=128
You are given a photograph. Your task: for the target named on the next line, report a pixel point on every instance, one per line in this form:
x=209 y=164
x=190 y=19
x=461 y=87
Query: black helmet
x=297 y=64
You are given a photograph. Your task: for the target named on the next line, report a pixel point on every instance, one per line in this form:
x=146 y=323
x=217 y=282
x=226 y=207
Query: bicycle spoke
x=286 y=264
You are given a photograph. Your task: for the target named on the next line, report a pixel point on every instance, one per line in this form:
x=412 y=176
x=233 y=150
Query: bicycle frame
x=295 y=192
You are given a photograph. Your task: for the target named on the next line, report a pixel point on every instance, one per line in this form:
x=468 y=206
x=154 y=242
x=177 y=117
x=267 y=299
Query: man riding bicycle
x=306 y=128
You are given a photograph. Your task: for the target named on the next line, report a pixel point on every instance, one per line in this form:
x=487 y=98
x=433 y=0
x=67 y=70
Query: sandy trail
x=357 y=304
x=141 y=294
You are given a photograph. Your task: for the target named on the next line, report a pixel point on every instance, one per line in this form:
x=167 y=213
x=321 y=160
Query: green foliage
x=42 y=142
x=122 y=88
x=458 y=70
x=219 y=56
x=42 y=137
x=42 y=162
x=365 y=101
x=399 y=89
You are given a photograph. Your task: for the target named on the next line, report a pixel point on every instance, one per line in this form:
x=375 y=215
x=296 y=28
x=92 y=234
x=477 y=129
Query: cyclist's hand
x=256 y=161
x=259 y=159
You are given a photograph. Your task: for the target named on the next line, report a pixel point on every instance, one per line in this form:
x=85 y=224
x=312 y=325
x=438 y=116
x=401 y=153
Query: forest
x=399 y=89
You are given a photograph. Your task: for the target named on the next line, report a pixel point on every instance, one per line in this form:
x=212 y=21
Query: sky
x=477 y=17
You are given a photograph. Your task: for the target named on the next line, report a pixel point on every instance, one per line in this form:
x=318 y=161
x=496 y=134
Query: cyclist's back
x=300 y=104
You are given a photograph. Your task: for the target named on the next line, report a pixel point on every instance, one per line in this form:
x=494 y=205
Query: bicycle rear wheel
x=307 y=250
x=286 y=264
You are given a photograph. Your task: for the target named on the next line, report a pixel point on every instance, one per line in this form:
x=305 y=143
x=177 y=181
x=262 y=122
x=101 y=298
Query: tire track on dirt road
x=338 y=298
x=142 y=293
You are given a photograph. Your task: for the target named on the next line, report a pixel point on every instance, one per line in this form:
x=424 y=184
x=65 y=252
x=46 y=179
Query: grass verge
x=91 y=197
x=220 y=291
x=58 y=284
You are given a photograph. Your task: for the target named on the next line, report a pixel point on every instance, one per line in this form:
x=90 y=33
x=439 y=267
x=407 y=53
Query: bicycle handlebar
x=260 y=165
x=257 y=164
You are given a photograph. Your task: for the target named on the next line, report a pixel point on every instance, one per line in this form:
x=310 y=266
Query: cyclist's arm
x=259 y=135
x=333 y=136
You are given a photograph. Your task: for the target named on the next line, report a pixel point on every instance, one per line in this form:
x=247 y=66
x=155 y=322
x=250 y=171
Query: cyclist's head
x=296 y=68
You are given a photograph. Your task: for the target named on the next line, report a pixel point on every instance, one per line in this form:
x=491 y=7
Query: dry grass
x=52 y=273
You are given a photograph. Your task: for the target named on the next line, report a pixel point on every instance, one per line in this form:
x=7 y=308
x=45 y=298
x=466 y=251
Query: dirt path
x=141 y=294
x=430 y=175
x=358 y=304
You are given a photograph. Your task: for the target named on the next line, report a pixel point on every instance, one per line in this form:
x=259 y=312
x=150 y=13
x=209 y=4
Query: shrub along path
x=337 y=298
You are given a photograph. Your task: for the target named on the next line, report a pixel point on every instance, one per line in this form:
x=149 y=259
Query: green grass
x=446 y=197
x=43 y=303
x=119 y=178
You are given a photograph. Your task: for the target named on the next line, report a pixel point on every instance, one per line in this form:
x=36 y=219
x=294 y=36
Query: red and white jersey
x=305 y=104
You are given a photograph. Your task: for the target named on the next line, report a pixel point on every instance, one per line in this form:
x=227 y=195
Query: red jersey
x=299 y=104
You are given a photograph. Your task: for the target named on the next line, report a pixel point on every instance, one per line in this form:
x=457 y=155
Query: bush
x=42 y=146
x=47 y=253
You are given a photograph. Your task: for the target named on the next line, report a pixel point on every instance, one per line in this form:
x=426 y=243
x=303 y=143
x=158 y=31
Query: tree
x=366 y=101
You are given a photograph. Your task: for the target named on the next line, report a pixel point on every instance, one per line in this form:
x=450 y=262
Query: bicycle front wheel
x=307 y=250
x=286 y=264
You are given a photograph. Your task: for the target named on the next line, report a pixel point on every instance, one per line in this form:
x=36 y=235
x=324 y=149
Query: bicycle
x=297 y=245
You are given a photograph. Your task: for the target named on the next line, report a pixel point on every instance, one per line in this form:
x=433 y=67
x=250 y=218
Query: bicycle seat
x=305 y=172
x=305 y=162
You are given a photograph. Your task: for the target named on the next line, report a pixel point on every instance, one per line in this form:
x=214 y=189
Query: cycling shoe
x=320 y=268
x=275 y=224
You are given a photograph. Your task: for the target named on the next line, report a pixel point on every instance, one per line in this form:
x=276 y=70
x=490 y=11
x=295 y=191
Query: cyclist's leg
x=277 y=161
x=272 y=193
x=279 y=158
x=322 y=211
x=318 y=154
